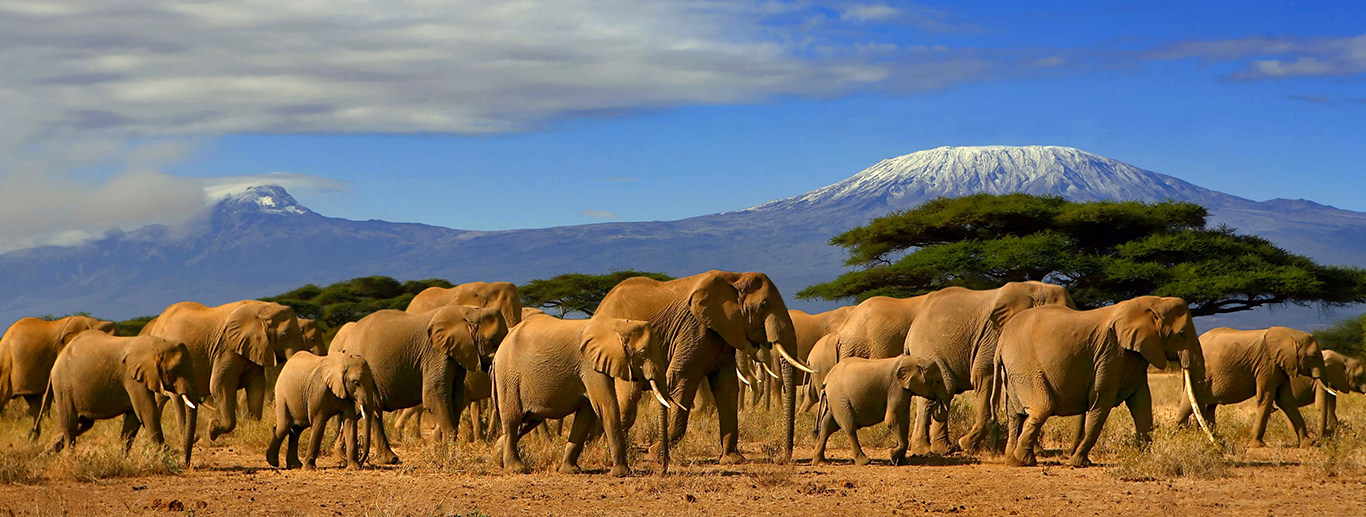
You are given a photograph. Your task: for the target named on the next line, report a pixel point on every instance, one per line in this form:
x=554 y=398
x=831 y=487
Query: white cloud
x=600 y=214
x=1290 y=57
x=869 y=13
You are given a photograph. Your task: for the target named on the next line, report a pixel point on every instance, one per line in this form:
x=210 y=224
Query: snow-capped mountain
x=257 y=241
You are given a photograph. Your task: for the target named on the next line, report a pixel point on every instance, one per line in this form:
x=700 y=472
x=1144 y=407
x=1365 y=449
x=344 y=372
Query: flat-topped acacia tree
x=1102 y=251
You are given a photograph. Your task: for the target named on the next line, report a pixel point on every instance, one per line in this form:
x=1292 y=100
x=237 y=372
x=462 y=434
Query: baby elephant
x=862 y=392
x=99 y=376
x=310 y=391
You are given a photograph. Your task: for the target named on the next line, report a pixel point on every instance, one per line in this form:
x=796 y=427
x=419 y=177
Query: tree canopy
x=1102 y=251
x=351 y=300
x=576 y=292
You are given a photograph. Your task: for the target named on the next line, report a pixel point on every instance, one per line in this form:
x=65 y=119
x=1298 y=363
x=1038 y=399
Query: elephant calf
x=552 y=368
x=310 y=391
x=99 y=376
x=862 y=392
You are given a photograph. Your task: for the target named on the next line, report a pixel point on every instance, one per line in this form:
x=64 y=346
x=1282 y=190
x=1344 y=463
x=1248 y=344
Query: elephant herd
x=1023 y=350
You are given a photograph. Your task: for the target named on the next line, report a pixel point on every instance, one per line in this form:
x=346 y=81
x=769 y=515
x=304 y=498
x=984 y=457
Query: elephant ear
x=907 y=371
x=605 y=348
x=716 y=305
x=1011 y=299
x=453 y=335
x=1283 y=348
x=1135 y=327
x=71 y=327
x=334 y=375
x=248 y=335
x=142 y=362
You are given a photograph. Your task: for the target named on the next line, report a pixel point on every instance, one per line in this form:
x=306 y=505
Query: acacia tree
x=1102 y=251
x=576 y=292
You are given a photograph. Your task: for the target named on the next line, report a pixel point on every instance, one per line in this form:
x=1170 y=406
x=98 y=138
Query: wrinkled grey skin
x=862 y=392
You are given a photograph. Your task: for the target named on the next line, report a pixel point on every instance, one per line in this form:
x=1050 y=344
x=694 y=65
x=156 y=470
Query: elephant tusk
x=1199 y=411
x=769 y=371
x=654 y=388
x=741 y=375
x=186 y=398
x=793 y=361
x=1326 y=388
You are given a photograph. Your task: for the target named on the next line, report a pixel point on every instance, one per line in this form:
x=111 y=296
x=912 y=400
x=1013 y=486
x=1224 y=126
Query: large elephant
x=552 y=368
x=876 y=327
x=1341 y=374
x=811 y=328
x=489 y=295
x=1055 y=360
x=957 y=328
x=1241 y=364
x=312 y=390
x=100 y=376
x=702 y=320
x=28 y=350
x=230 y=346
x=422 y=359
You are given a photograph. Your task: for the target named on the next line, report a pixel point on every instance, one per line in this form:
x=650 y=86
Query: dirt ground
x=1277 y=488
x=231 y=478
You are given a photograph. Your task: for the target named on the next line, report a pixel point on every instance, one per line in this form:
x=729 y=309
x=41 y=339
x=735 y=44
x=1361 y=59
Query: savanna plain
x=1179 y=473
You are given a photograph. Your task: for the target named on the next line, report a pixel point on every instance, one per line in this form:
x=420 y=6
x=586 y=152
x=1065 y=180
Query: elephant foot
x=352 y=465
x=921 y=448
x=272 y=460
x=732 y=458
x=386 y=458
x=620 y=471
x=516 y=467
x=569 y=468
x=943 y=448
x=310 y=465
x=1012 y=460
x=1306 y=442
x=860 y=460
x=1079 y=461
x=818 y=461
x=1256 y=444
x=970 y=443
x=293 y=464
x=898 y=457
x=33 y=435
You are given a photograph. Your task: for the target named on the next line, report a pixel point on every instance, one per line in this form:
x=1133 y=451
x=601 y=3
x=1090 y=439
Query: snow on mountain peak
x=265 y=199
x=905 y=181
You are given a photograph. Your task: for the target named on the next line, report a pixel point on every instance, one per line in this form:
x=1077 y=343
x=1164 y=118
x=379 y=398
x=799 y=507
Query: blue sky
x=593 y=110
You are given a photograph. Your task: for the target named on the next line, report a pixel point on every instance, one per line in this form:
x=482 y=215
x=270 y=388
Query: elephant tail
x=42 y=410
x=495 y=416
x=997 y=395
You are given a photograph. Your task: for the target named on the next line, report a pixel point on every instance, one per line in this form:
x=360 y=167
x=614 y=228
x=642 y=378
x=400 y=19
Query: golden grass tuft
x=1175 y=452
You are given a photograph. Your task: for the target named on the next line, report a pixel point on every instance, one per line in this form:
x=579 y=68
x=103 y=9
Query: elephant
x=811 y=328
x=1241 y=364
x=876 y=327
x=1055 y=360
x=702 y=321
x=99 y=376
x=958 y=328
x=552 y=368
x=422 y=359
x=28 y=350
x=489 y=295
x=528 y=312
x=230 y=345
x=311 y=390
x=1341 y=374
x=862 y=392
x=478 y=388
x=314 y=341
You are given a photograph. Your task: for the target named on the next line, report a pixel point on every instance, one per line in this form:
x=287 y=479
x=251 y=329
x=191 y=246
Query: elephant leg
x=1014 y=422
x=1327 y=407
x=315 y=440
x=352 y=452
x=808 y=401
x=1259 y=418
x=827 y=425
x=920 y=432
x=512 y=422
x=281 y=432
x=129 y=431
x=628 y=399
x=1095 y=422
x=901 y=429
x=1025 y=443
x=292 y=453
x=384 y=455
x=35 y=406
x=148 y=415
x=939 y=429
x=1078 y=433
x=982 y=419
x=256 y=395
x=223 y=387
x=1184 y=411
x=1291 y=407
x=725 y=386
x=1140 y=406
x=443 y=395
x=476 y=426
x=603 y=401
x=859 y=457
x=578 y=434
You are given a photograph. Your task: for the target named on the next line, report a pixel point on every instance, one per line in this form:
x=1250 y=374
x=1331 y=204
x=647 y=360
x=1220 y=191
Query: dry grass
x=1174 y=452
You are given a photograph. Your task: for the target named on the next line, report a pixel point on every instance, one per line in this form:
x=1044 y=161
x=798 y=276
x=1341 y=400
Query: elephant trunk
x=191 y=420
x=783 y=337
x=663 y=433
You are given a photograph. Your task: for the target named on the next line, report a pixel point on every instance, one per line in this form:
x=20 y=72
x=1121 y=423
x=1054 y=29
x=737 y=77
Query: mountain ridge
x=260 y=241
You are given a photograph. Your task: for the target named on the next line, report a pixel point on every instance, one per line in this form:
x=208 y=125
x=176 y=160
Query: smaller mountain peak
x=263 y=199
